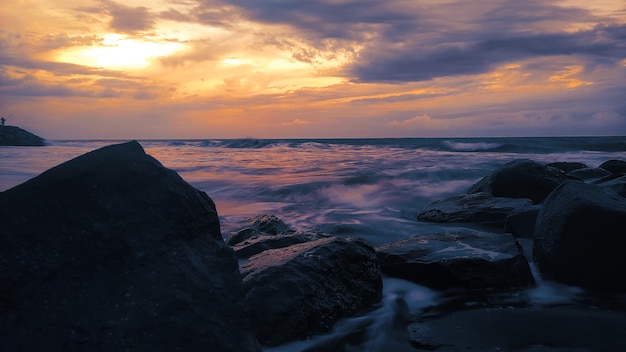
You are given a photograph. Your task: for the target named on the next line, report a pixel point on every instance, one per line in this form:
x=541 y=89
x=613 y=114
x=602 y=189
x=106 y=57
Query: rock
x=269 y=224
x=261 y=225
x=15 y=136
x=384 y=329
x=579 y=237
x=540 y=329
x=520 y=178
x=614 y=166
x=521 y=222
x=617 y=185
x=567 y=167
x=258 y=244
x=242 y=235
x=461 y=259
x=304 y=289
x=589 y=173
x=112 y=251
x=478 y=208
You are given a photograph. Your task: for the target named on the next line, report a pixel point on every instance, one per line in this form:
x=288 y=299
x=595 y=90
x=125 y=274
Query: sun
x=117 y=51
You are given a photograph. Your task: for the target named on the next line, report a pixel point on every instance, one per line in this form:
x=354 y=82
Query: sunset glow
x=230 y=69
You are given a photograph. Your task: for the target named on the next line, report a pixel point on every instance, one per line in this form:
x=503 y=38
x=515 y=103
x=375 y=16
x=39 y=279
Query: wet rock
x=261 y=225
x=304 y=289
x=520 y=178
x=258 y=244
x=268 y=224
x=542 y=329
x=589 y=173
x=15 y=136
x=614 y=166
x=480 y=208
x=460 y=259
x=567 y=167
x=579 y=238
x=112 y=251
x=242 y=235
x=617 y=185
x=521 y=222
x=384 y=329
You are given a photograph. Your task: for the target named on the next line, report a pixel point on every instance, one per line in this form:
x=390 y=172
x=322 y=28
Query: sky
x=138 y=69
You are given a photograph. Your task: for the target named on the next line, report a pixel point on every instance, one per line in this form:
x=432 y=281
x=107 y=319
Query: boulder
x=112 y=251
x=614 y=166
x=302 y=290
x=461 y=259
x=580 y=238
x=567 y=166
x=521 y=222
x=480 y=208
x=258 y=244
x=15 y=136
x=520 y=178
x=589 y=173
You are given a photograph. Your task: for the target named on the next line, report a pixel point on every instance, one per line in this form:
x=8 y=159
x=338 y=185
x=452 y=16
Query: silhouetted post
x=2 y=120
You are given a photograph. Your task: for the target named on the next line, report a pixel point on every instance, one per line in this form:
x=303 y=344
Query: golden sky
x=80 y=69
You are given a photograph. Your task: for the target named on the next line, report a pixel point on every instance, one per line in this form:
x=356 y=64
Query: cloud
x=52 y=41
x=296 y=122
x=400 y=41
x=420 y=121
x=323 y=19
x=413 y=62
x=124 y=19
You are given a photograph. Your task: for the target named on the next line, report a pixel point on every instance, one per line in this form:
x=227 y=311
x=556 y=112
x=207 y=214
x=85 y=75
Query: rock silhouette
x=113 y=251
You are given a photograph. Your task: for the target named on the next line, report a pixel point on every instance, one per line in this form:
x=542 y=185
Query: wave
x=470 y=146
x=539 y=145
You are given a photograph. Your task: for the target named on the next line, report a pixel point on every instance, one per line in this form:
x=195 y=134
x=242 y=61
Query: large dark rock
x=580 y=237
x=520 y=178
x=261 y=243
x=15 y=136
x=460 y=259
x=614 y=166
x=112 y=251
x=304 y=289
x=478 y=208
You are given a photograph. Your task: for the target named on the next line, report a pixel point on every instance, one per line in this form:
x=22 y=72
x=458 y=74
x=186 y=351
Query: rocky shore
x=15 y=136
x=112 y=251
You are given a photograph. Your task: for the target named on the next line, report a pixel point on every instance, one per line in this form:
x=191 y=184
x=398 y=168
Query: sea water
x=368 y=188
x=371 y=188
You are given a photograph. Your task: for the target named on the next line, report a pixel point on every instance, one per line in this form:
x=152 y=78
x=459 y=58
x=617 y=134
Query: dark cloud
x=601 y=45
x=64 y=40
x=124 y=18
x=319 y=19
x=131 y=19
x=402 y=41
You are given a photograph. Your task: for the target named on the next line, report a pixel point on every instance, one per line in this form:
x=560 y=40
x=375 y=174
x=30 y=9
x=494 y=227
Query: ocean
x=368 y=188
